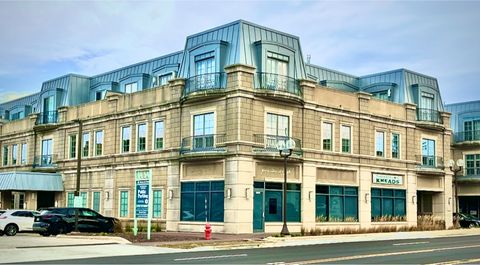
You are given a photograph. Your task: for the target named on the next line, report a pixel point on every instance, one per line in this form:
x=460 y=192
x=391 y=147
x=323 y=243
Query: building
x=368 y=151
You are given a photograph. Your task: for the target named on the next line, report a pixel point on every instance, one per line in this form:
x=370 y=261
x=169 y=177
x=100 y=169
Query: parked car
x=54 y=221
x=14 y=221
x=467 y=220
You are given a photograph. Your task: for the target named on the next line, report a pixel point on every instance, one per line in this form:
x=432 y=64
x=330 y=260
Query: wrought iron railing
x=205 y=82
x=430 y=161
x=430 y=115
x=44 y=161
x=47 y=117
x=271 y=143
x=467 y=136
x=274 y=82
x=203 y=143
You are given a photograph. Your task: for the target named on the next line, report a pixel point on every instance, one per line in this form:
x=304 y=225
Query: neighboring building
x=465 y=123
x=368 y=152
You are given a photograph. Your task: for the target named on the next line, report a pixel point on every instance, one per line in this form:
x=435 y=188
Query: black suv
x=54 y=221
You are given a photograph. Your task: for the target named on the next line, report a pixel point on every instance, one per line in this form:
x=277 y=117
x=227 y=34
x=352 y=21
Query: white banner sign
x=387 y=179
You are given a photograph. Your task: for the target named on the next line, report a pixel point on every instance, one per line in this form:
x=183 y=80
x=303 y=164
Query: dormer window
x=383 y=95
x=163 y=79
x=131 y=87
x=99 y=95
x=427 y=101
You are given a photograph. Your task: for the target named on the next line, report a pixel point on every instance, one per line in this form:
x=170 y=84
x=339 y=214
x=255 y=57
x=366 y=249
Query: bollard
x=208 y=232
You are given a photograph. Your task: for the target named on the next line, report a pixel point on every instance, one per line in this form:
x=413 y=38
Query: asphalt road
x=448 y=250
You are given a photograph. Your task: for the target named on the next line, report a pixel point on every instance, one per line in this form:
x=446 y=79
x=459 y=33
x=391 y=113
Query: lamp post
x=285 y=147
x=455 y=167
x=79 y=165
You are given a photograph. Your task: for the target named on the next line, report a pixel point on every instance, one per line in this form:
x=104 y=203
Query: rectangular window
x=336 y=204
x=158 y=135
x=202 y=201
x=163 y=79
x=141 y=137
x=131 y=87
x=24 y=154
x=70 y=199
x=472 y=166
x=5 y=155
x=203 y=130
x=96 y=201
x=157 y=204
x=126 y=139
x=98 y=143
x=99 y=95
x=273 y=201
x=14 y=154
x=383 y=95
x=327 y=136
x=395 y=145
x=73 y=146
x=124 y=203
x=388 y=205
x=47 y=152
x=278 y=125
x=427 y=101
x=83 y=194
x=379 y=144
x=205 y=71
x=85 y=144
x=428 y=153
x=276 y=76
x=471 y=130
x=346 y=138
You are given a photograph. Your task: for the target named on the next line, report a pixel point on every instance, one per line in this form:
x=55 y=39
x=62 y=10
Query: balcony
x=467 y=137
x=49 y=117
x=267 y=144
x=45 y=161
x=268 y=82
x=430 y=163
x=210 y=143
x=428 y=115
x=207 y=83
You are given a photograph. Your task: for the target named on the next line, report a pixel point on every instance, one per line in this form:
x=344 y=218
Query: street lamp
x=455 y=167
x=285 y=147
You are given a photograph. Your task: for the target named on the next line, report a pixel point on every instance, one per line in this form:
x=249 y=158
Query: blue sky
x=42 y=40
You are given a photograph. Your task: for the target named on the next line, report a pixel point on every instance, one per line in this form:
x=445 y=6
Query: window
x=84 y=198
x=98 y=143
x=14 y=154
x=17 y=116
x=125 y=139
x=336 y=204
x=327 y=135
x=273 y=201
x=388 y=205
x=276 y=71
x=427 y=101
x=85 y=144
x=472 y=130
x=131 y=87
x=5 y=155
x=203 y=129
x=428 y=153
x=70 y=199
x=204 y=71
x=141 y=137
x=124 y=203
x=158 y=135
x=157 y=204
x=99 y=95
x=73 y=146
x=163 y=79
x=278 y=125
x=395 y=145
x=379 y=144
x=346 y=138
x=201 y=201
x=472 y=165
x=96 y=201
x=383 y=95
x=47 y=152
x=24 y=154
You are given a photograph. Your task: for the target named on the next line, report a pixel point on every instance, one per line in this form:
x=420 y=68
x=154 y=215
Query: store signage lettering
x=387 y=179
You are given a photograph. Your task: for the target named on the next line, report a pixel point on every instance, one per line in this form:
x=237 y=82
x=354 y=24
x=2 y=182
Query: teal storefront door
x=258 y=216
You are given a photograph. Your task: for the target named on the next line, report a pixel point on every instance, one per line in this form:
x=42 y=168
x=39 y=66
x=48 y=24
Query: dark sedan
x=466 y=220
x=54 y=221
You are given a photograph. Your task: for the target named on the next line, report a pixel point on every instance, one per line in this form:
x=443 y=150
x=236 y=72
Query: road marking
x=212 y=257
x=330 y=260
x=453 y=262
x=410 y=243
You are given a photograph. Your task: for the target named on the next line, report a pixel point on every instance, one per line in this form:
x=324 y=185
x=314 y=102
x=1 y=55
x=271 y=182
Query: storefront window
x=274 y=201
x=202 y=201
x=388 y=205
x=336 y=204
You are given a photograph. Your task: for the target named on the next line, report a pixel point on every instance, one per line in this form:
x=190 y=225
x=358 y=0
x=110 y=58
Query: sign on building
x=143 y=200
x=387 y=179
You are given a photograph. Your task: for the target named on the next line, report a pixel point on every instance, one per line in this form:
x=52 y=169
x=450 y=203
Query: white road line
x=460 y=261
x=411 y=243
x=212 y=257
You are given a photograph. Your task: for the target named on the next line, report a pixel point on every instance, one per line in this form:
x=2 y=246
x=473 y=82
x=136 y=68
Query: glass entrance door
x=258 y=216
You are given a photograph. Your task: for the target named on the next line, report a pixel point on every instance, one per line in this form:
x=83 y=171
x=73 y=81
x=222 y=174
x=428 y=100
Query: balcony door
x=48 y=109
x=203 y=130
x=204 y=72
x=278 y=128
x=47 y=151
x=277 y=72
x=428 y=153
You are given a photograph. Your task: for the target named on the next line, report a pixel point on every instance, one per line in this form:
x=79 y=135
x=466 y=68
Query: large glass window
x=202 y=201
x=85 y=144
x=471 y=130
x=141 y=137
x=276 y=71
x=96 y=201
x=336 y=204
x=395 y=145
x=273 y=201
x=346 y=138
x=163 y=79
x=158 y=135
x=83 y=195
x=327 y=136
x=47 y=151
x=472 y=166
x=125 y=139
x=203 y=129
x=131 y=87
x=388 y=205
x=383 y=95
x=278 y=125
x=204 y=69
x=157 y=203
x=428 y=152
x=24 y=154
x=427 y=101
x=14 y=154
x=98 y=143
x=379 y=144
x=70 y=199
x=5 y=155
x=73 y=146
x=124 y=203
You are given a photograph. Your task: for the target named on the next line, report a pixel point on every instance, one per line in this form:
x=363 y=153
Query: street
x=445 y=250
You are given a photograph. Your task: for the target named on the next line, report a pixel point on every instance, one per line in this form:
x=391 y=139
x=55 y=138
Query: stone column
x=240 y=76
x=177 y=86
x=62 y=114
x=365 y=129
x=308 y=88
x=309 y=180
x=173 y=195
x=365 y=198
x=411 y=198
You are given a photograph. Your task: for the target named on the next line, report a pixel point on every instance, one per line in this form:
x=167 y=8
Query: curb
x=116 y=239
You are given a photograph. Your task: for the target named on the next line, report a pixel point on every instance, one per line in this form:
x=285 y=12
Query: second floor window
x=141 y=137
x=163 y=79
x=14 y=154
x=125 y=139
x=24 y=154
x=5 y=155
x=379 y=144
x=472 y=165
x=346 y=139
x=428 y=152
x=158 y=135
x=73 y=146
x=327 y=136
x=131 y=87
x=278 y=125
x=85 y=144
x=98 y=143
x=203 y=130
x=47 y=152
x=395 y=145
x=472 y=130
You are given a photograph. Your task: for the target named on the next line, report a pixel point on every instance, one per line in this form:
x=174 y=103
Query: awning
x=31 y=181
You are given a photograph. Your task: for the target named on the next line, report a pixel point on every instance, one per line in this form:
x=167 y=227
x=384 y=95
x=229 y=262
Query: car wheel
x=1 y=233
x=11 y=230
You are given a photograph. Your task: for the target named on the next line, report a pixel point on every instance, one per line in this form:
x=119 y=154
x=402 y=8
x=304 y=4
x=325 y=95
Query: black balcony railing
x=467 y=136
x=429 y=115
x=275 y=82
x=47 y=117
x=205 y=82
x=203 y=143
x=267 y=143
x=430 y=162
x=44 y=161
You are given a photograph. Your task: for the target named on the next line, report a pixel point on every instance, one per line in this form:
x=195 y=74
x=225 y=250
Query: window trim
x=384 y=144
x=154 y=122
x=200 y=112
x=275 y=111
x=5 y=155
x=351 y=138
x=332 y=147
x=22 y=162
x=137 y=124
x=131 y=84
x=95 y=142
x=84 y=143
x=120 y=202
x=121 y=139
x=99 y=201
x=70 y=145
x=161 y=202
x=13 y=158
x=399 y=145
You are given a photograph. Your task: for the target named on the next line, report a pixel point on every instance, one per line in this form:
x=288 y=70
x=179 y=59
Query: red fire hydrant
x=208 y=232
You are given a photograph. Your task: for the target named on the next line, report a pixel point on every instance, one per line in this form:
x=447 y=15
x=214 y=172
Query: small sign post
x=143 y=202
